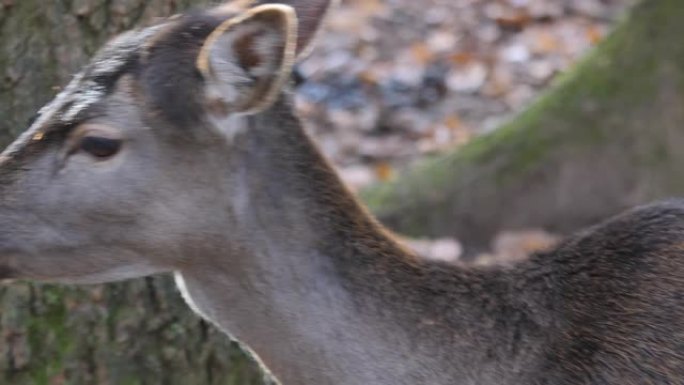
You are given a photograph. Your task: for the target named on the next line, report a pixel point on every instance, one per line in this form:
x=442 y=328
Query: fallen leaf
x=384 y=171
x=594 y=34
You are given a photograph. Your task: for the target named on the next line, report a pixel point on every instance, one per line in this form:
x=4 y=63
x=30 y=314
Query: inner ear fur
x=247 y=60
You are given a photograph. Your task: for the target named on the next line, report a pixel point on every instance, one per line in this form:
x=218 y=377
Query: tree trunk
x=139 y=332
x=610 y=135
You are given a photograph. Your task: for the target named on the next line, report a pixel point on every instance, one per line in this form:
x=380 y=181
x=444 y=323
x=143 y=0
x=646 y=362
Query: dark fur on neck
x=576 y=311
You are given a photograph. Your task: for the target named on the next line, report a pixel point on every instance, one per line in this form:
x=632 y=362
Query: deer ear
x=247 y=60
x=310 y=15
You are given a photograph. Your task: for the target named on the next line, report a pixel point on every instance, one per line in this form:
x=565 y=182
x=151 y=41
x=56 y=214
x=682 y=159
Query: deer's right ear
x=248 y=59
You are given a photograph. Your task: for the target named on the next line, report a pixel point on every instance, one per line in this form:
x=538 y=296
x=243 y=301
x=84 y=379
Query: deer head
x=116 y=178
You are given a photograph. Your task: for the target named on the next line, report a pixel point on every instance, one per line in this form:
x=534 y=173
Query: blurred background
x=393 y=82
x=478 y=129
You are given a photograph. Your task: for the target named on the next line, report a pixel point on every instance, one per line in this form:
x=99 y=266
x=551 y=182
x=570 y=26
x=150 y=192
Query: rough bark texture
x=608 y=136
x=133 y=333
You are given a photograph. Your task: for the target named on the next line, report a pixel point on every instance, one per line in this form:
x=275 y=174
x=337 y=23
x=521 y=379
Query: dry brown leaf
x=368 y=77
x=462 y=58
x=545 y=42
x=384 y=171
x=594 y=34
x=369 y=7
x=422 y=53
x=453 y=122
x=517 y=20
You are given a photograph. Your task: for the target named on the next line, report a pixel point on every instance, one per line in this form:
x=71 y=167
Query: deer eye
x=99 y=146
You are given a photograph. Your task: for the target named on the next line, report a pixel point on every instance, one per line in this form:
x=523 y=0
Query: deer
x=177 y=150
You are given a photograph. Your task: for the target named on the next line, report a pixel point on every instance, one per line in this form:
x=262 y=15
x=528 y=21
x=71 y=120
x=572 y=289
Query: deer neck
x=320 y=292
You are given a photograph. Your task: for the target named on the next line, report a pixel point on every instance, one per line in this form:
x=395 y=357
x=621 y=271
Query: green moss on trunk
x=606 y=137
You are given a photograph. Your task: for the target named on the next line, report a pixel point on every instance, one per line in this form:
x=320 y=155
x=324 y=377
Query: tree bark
x=608 y=136
x=139 y=332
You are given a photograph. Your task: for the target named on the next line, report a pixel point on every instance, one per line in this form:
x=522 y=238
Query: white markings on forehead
x=106 y=65
x=45 y=114
x=87 y=94
x=86 y=88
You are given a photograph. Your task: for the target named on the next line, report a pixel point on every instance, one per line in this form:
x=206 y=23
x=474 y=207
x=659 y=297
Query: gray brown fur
x=267 y=243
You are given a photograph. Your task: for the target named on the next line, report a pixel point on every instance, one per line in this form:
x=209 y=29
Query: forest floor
x=391 y=81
